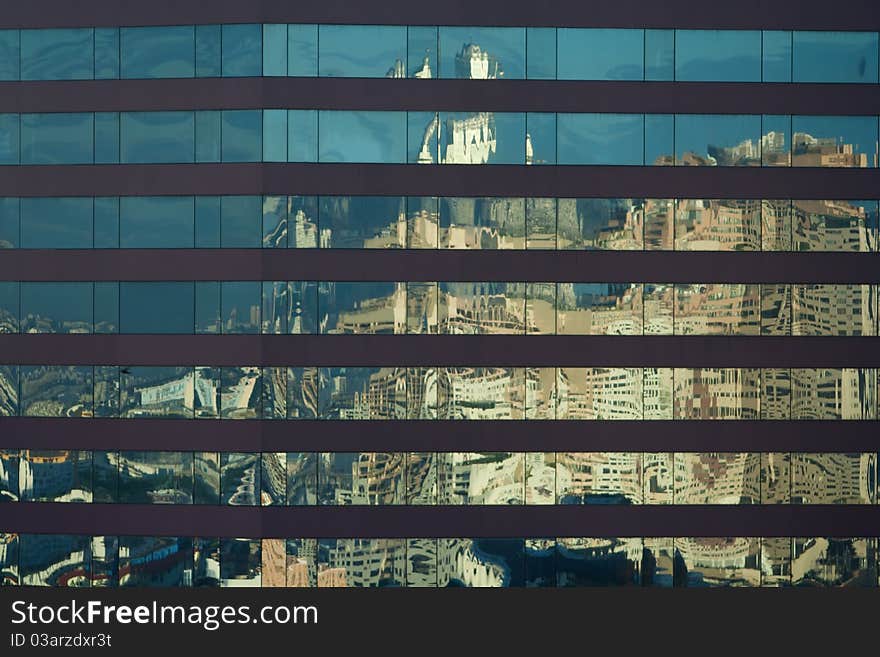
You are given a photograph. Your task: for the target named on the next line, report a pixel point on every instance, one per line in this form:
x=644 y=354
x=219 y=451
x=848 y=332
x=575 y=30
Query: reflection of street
x=236 y=400
x=244 y=494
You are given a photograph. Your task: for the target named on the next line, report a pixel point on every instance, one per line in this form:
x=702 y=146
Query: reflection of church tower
x=398 y=70
x=530 y=151
x=474 y=63
x=424 y=73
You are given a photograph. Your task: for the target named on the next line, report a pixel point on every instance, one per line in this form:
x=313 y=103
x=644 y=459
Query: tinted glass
x=242 y=136
x=10 y=224
x=482 y=52
x=140 y=302
x=776 y=54
x=302 y=50
x=106 y=137
x=834 y=141
x=9 y=54
x=242 y=50
x=274 y=50
x=56 y=307
x=718 y=140
x=368 y=137
x=157 y=137
x=302 y=135
x=158 y=52
x=207 y=51
x=718 y=55
x=106 y=53
x=57 y=138
x=241 y=221
x=10 y=144
x=834 y=57
x=362 y=51
x=156 y=222
x=57 y=54
x=601 y=139
x=422 y=52
x=56 y=391
x=363 y=221
x=659 y=54
x=599 y=54
x=541 y=53
x=56 y=223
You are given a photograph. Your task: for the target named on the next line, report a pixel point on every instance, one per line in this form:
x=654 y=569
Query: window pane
x=207 y=51
x=56 y=223
x=57 y=54
x=368 y=137
x=106 y=53
x=599 y=54
x=207 y=222
x=482 y=52
x=207 y=307
x=56 y=391
x=422 y=52
x=776 y=140
x=835 y=57
x=107 y=222
x=274 y=135
x=158 y=52
x=362 y=307
x=106 y=307
x=482 y=223
x=56 y=307
x=242 y=50
x=834 y=225
x=242 y=136
x=482 y=138
x=541 y=53
x=362 y=51
x=718 y=140
x=275 y=50
x=718 y=55
x=356 y=222
x=155 y=478
x=601 y=139
x=156 y=307
x=599 y=309
x=834 y=141
x=717 y=309
x=9 y=54
x=10 y=145
x=10 y=225
x=602 y=224
x=161 y=137
x=240 y=306
x=302 y=50
x=717 y=225
x=241 y=219
x=302 y=135
x=776 y=56
x=207 y=136
x=659 y=54
x=106 y=137
x=275 y=223
x=466 y=308
x=57 y=138
x=156 y=392
x=156 y=222
x=540 y=138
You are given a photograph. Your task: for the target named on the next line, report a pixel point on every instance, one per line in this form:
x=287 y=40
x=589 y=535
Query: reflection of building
x=475 y=63
x=810 y=151
x=717 y=308
x=717 y=478
x=468 y=140
x=716 y=393
x=718 y=225
x=590 y=477
x=831 y=226
x=829 y=478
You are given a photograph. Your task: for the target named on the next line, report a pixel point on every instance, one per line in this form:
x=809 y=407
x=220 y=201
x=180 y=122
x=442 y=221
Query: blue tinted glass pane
x=362 y=137
x=483 y=52
x=302 y=135
x=207 y=307
x=718 y=140
x=240 y=306
x=241 y=136
x=659 y=54
x=541 y=138
x=274 y=50
x=482 y=138
x=361 y=51
x=601 y=139
x=106 y=53
x=776 y=140
x=107 y=222
x=274 y=135
x=9 y=223
x=208 y=136
x=274 y=222
x=207 y=222
x=718 y=55
x=57 y=138
x=834 y=141
x=242 y=50
x=57 y=54
x=106 y=137
x=156 y=307
x=56 y=223
x=541 y=53
x=156 y=222
x=659 y=138
x=422 y=128
x=158 y=52
x=835 y=56
x=157 y=137
x=9 y=139
x=422 y=52
x=588 y=54
x=9 y=298
x=777 y=56
x=302 y=50
x=56 y=307
x=241 y=219
x=9 y=53
x=208 y=51
x=106 y=308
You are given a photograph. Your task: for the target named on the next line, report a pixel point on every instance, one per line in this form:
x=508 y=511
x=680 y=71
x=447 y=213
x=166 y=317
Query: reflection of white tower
x=425 y=154
x=425 y=72
x=470 y=140
x=530 y=152
x=475 y=63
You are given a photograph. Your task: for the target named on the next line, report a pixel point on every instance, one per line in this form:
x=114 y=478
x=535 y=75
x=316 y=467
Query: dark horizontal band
x=539 y=266
x=744 y=14
x=429 y=522
x=439 y=435
x=439 y=95
x=441 y=350
x=439 y=180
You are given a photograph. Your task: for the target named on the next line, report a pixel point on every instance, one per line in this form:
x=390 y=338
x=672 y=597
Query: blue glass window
x=156 y=307
x=275 y=135
x=718 y=140
x=659 y=138
x=422 y=52
x=482 y=138
x=776 y=55
x=56 y=307
x=240 y=306
x=10 y=144
x=208 y=136
x=9 y=306
x=207 y=222
x=302 y=50
x=241 y=219
x=9 y=54
x=57 y=138
x=157 y=137
x=483 y=52
x=241 y=136
x=274 y=50
x=106 y=307
x=370 y=137
x=106 y=137
x=107 y=222
x=659 y=54
x=834 y=57
x=834 y=141
x=599 y=54
x=9 y=223
x=106 y=53
x=302 y=135
x=156 y=222
x=362 y=51
x=541 y=53
x=57 y=54
x=718 y=55
x=56 y=223
x=242 y=50
x=600 y=139
x=208 y=51
x=158 y=52
x=541 y=138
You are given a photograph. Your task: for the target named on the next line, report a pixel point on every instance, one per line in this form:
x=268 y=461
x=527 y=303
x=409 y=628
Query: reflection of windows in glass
x=833 y=561
x=606 y=224
x=830 y=478
x=164 y=561
x=599 y=309
x=477 y=478
x=482 y=223
x=598 y=561
x=717 y=225
x=834 y=225
x=240 y=478
x=834 y=394
x=474 y=308
x=482 y=138
x=717 y=478
x=833 y=310
x=241 y=390
x=717 y=309
x=240 y=562
x=716 y=393
x=712 y=562
x=361 y=222
x=156 y=392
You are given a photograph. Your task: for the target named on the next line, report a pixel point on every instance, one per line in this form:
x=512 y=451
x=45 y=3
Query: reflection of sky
x=59 y=54
x=777 y=56
x=58 y=301
x=367 y=137
x=366 y=51
x=156 y=52
x=835 y=56
x=156 y=222
x=695 y=132
x=598 y=54
x=861 y=131
x=600 y=138
x=718 y=55
x=506 y=44
x=56 y=223
x=156 y=307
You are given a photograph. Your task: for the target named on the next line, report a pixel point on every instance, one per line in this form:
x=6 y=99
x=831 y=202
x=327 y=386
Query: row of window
x=428 y=478
x=399 y=137
x=430 y=222
x=300 y=307
x=152 y=561
x=392 y=51
x=439 y=393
